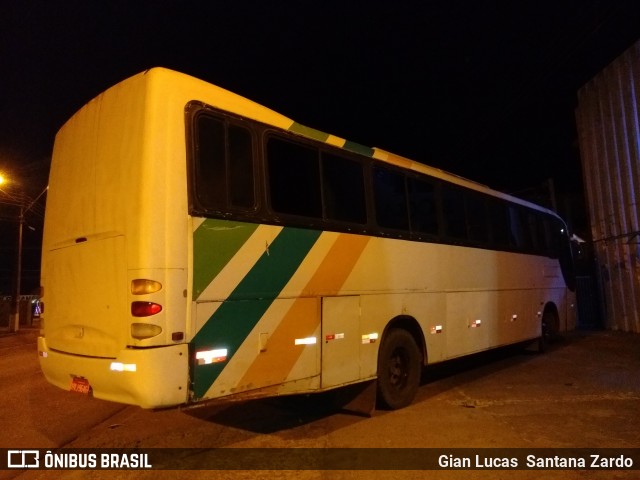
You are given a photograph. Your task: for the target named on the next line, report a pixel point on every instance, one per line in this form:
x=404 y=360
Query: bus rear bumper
x=150 y=377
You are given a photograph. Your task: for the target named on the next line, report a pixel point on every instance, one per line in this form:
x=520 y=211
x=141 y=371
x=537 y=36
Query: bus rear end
x=114 y=277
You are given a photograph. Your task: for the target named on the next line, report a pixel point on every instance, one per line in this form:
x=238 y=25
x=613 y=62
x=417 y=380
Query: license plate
x=80 y=385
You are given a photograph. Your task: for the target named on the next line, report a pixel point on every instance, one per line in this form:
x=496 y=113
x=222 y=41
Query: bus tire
x=399 y=369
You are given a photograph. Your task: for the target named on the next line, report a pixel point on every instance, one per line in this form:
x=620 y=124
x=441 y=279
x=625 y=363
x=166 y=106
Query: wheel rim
x=398 y=369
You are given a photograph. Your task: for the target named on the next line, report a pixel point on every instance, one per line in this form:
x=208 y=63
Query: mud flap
x=358 y=399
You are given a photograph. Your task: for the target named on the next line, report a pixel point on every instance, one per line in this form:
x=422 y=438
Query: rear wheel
x=399 y=367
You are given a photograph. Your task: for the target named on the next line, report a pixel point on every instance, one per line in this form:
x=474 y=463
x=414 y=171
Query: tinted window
x=211 y=169
x=224 y=165
x=538 y=233
x=241 y=167
x=547 y=236
x=519 y=234
x=343 y=189
x=423 y=207
x=498 y=224
x=294 y=178
x=453 y=212
x=477 y=222
x=390 y=199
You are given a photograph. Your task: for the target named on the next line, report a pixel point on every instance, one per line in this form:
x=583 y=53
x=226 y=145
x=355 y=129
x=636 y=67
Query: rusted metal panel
x=608 y=124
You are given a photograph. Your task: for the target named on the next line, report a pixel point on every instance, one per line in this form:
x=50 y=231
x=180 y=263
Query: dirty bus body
x=199 y=246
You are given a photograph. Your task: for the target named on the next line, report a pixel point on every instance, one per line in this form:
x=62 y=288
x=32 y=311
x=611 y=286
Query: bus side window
x=211 y=170
x=499 y=223
x=531 y=228
x=241 y=167
x=519 y=235
x=454 y=214
x=422 y=206
x=547 y=237
x=224 y=165
x=294 y=178
x=343 y=189
x=477 y=222
x=390 y=199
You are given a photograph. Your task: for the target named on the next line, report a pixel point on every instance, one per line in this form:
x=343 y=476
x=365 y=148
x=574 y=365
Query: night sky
x=483 y=89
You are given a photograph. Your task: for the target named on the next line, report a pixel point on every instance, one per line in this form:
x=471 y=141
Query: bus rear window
x=224 y=165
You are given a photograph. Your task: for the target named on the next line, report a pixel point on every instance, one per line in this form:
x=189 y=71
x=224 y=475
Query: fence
x=28 y=316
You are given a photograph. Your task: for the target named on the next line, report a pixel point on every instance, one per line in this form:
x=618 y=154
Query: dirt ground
x=583 y=393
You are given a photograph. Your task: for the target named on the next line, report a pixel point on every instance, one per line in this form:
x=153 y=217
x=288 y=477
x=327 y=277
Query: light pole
x=14 y=318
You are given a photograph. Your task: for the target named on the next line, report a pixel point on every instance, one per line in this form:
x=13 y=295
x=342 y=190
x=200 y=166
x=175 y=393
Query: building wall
x=608 y=122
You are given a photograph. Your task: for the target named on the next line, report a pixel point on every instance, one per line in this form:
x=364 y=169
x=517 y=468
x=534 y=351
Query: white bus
x=200 y=246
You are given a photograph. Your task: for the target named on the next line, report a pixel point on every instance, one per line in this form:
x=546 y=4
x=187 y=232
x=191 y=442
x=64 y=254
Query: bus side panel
x=240 y=271
x=257 y=292
x=341 y=341
x=468 y=321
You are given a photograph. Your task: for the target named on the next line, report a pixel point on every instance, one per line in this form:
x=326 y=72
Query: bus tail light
x=145 y=309
x=143 y=286
x=141 y=331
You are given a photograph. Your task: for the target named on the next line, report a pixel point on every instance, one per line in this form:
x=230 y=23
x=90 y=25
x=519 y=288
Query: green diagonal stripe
x=357 y=148
x=215 y=242
x=309 y=132
x=237 y=316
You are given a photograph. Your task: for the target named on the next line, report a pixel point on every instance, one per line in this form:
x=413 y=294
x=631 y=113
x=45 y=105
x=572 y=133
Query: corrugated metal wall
x=608 y=124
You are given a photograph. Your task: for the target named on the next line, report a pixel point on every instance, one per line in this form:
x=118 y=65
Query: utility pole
x=14 y=319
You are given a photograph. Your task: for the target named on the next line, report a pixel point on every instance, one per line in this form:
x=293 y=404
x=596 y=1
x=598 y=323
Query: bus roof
x=199 y=90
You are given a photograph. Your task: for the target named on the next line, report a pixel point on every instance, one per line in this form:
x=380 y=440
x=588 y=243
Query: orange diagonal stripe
x=303 y=318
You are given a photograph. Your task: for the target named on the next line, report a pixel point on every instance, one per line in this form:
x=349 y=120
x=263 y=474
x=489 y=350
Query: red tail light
x=145 y=309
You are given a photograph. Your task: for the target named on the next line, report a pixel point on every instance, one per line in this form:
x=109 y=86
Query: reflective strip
x=211 y=356
x=369 y=338
x=123 y=367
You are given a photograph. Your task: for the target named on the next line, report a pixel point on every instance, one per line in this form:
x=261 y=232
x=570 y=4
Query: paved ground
x=583 y=393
